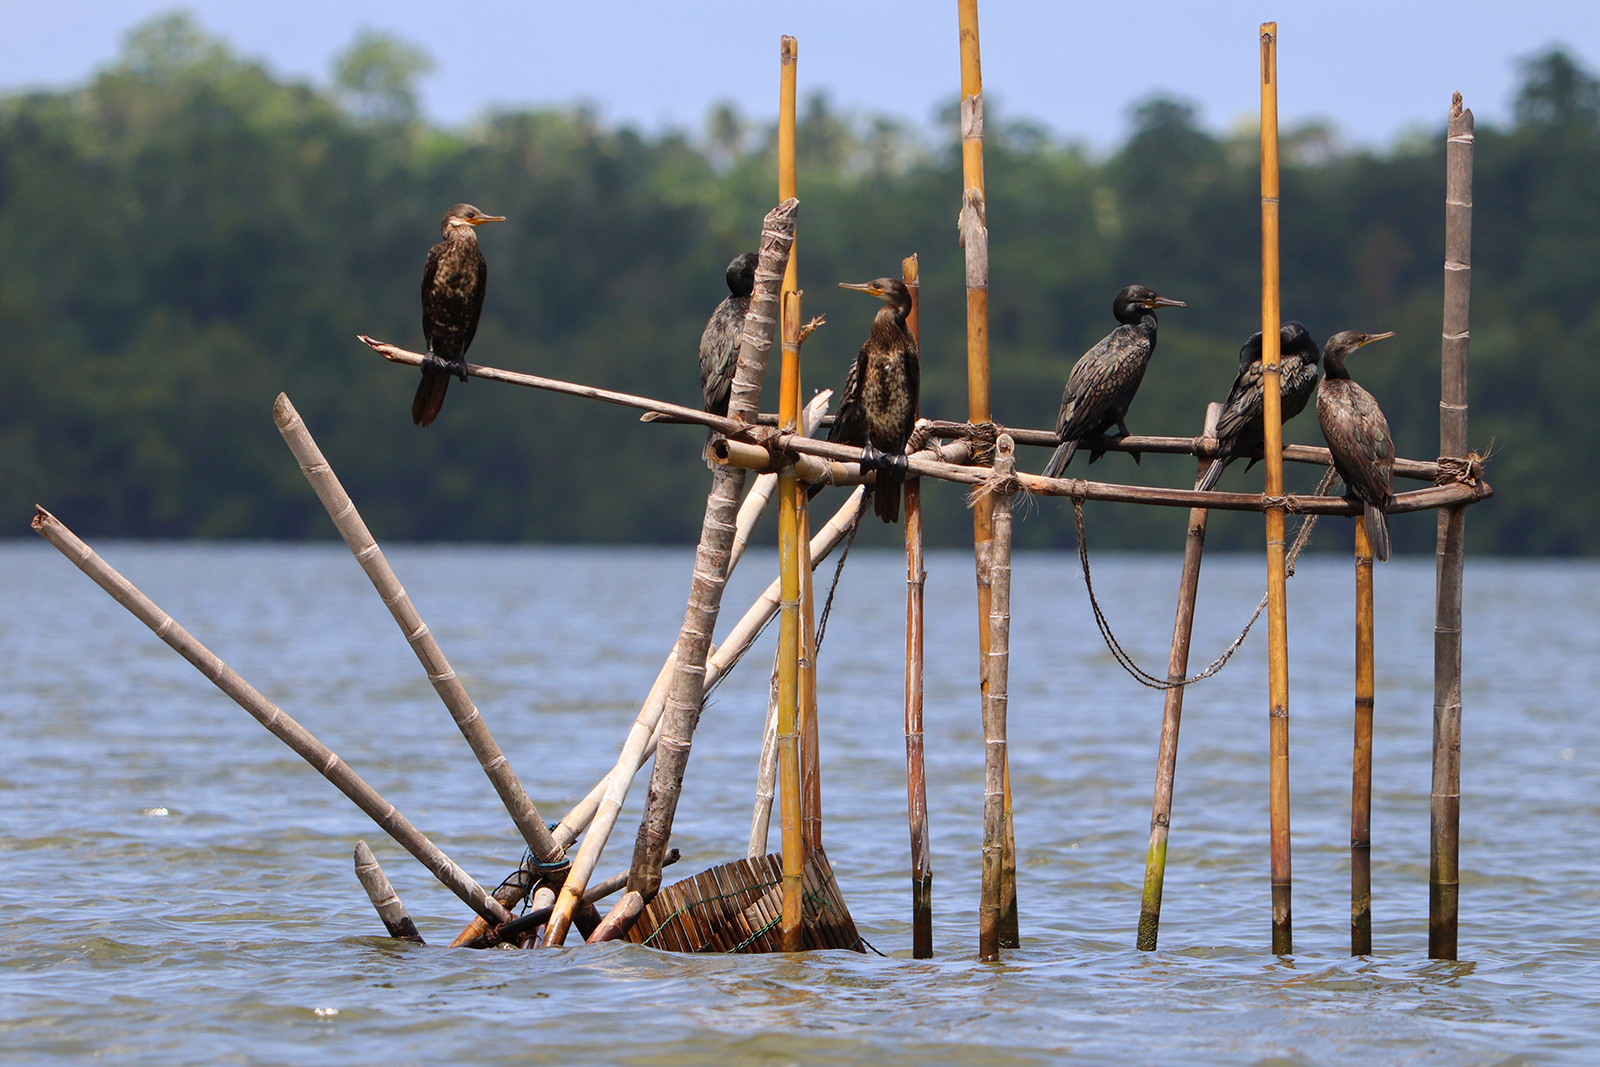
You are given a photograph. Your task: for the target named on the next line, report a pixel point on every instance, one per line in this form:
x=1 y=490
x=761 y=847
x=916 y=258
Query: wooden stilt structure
x=1361 y=761
x=995 y=697
x=1444 y=870
x=916 y=774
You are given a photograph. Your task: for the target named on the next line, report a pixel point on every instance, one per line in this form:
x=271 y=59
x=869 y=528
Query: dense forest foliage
x=187 y=234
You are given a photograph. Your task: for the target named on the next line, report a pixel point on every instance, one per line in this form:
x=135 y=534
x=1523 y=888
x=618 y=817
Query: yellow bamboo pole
x=1361 y=762
x=789 y=541
x=1272 y=420
x=916 y=777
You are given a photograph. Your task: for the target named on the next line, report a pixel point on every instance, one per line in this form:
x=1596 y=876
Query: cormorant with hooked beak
x=1358 y=436
x=452 y=299
x=879 y=408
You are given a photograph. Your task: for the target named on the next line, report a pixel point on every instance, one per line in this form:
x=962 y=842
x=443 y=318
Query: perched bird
x=719 y=343
x=1239 y=430
x=1358 y=436
x=1103 y=381
x=879 y=407
x=452 y=298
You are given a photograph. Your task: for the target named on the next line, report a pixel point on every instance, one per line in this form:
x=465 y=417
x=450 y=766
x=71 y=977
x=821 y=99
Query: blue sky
x=1373 y=68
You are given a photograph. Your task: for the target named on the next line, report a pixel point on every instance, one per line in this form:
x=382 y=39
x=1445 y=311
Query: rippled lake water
x=177 y=885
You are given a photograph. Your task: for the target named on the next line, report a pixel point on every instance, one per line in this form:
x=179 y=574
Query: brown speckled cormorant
x=879 y=407
x=719 y=343
x=1103 y=381
x=1358 y=436
x=452 y=298
x=1239 y=430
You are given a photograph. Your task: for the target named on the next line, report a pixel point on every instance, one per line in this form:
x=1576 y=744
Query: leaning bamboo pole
x=685 y=694
x=1361 y=760
x=992 y=903
x=916 y=771
x=974 y=231
x=347 y=520
x=1272 y=421
x=1444 y=870
x=1155 y=862
x=274 y=718
x=385 y=901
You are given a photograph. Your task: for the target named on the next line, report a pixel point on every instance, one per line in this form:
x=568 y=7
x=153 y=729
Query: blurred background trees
x=187 y=234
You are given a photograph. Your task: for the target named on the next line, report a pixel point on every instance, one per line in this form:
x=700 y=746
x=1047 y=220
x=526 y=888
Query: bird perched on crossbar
x=879 y=408
x=719 y=342
x=1105 y=378
x=1358 y=436
x=453 y=282
x=1240 y=431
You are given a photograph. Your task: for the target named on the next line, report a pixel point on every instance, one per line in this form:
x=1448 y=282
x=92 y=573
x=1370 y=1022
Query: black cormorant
x=452 y=298
x=1358 y=436
x=1239 y=430
x=1103 y=381
x=719 y=343
x=879 y=407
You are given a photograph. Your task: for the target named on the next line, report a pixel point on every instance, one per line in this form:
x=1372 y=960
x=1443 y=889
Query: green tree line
x=187 y=234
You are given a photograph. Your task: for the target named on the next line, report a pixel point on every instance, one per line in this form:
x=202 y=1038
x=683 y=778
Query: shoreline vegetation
x=188 y=234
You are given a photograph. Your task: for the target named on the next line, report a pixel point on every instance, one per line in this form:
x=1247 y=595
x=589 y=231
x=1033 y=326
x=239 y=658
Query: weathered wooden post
x=916 y=777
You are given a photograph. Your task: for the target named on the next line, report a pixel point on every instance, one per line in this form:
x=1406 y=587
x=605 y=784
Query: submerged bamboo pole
x=1272 y=421
x=1155 y=862
x=347 y=520
x=1444 y=870
x=685 y=693
x=274 y=718
x=385 y=901
x=916 y=772
x=992 y=905
x=538 y=914
x=1361 y=760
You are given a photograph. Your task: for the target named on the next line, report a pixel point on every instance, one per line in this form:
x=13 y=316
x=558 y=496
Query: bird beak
x=862 y=287
x=481 y=219
x=1371 y=337
x=1163 y=302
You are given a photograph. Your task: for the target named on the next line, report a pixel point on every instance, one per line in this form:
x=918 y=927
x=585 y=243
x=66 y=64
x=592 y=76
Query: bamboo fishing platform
x=791 y=900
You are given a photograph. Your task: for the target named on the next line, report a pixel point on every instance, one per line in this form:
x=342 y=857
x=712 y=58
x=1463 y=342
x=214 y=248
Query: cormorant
x=719 y=343
x=1358 y=436
x=1103 y=381
x=452 y=298
x=1239 y=430
x=879 y=407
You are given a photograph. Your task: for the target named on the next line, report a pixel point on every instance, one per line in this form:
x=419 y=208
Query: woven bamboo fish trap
x=736 y=907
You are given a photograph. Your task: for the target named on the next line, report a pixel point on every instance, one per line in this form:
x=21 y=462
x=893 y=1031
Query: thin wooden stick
x=766 y=772
x=685 y=694
x=1272 y=423
x=268 y=714
x=916 y=771
x=1444 y=869
x=991 y=906
x=384 y=899
x=1361 y=761
x=810 y=738
x=342 y=510
x=1155 y=862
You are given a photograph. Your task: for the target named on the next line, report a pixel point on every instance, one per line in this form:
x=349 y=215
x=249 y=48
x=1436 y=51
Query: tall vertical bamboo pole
x=974 y=231
x=1155 y=862
x=1277 y=593
x=1445 y=844
x=810 y=756
x=1361 y=761
x=994 y=710
x=916 y=777
x=790 y=785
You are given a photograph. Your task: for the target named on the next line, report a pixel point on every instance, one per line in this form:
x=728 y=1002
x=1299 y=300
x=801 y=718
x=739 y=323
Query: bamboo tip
x=1005 y=446
x=908 y=269
x=363 y=854
x=788 y=49
x=41 y=517
x=1269 y=31
x=283 y=412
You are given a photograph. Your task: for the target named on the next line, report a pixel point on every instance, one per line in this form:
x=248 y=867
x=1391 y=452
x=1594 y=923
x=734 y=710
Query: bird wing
x=476 y=307
x=913 y=363
x=719 y=353
x=1243 y=404
x=1358 y=436
x=429 y=271
x=1108 y=373
x=850 y=427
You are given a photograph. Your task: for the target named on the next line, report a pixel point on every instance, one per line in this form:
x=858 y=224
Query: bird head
x=1342 y=344
x=466 y=215
x=1295 y=340
x=742 y=274
x=1132 y=303
x=891 y=291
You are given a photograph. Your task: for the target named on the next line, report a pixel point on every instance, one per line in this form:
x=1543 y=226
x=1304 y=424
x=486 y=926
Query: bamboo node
x=972 y=117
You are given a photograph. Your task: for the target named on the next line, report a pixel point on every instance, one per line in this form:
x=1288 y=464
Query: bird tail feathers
x=429 y=399
x=1377 y=531
x=886 y=494
x=1058 y=462
x=1212 y=474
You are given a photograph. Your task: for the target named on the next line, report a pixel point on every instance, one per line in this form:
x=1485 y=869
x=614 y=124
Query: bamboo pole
x=528 y=923
x=342 y=510
x=1155 y=863
x=916 y=772
x=268 y=714
x=1271 y=415
x=975 y=242
x=384 y=899
x=991 y=909
x=1361 y=761
x=1444 y=868
x=685 y=693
